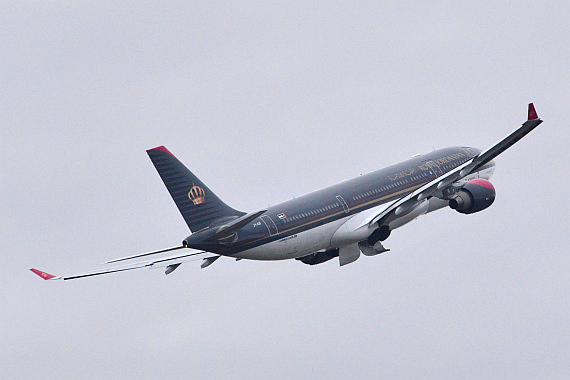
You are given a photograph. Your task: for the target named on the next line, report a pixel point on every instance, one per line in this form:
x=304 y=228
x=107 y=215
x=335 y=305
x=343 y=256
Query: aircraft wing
x=440 y=183
x=171 y=262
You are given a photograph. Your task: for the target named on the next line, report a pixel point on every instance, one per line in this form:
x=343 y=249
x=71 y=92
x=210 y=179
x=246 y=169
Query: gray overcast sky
x=265 y=101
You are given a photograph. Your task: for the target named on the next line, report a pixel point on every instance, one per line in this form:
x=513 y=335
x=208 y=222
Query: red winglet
x=162 y=149
x=532 y=115
x=44 y=275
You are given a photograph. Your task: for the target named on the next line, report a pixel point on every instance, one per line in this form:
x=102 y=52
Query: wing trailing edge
x=145 y=254
x=489 y=154
x=169 y=262
x=439 y=183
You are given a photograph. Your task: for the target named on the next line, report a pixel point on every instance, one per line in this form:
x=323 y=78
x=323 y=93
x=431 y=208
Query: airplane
x=345 y=220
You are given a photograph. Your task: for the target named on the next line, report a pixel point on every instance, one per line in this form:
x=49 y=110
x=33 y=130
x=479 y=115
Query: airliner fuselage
x=314 y=222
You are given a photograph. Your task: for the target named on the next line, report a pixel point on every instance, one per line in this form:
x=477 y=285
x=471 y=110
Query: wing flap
x=181 y=259
x=121 y=268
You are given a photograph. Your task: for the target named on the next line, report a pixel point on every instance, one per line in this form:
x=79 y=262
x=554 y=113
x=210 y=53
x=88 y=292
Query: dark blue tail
x=197 y=203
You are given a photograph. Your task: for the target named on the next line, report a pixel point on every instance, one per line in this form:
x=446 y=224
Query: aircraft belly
x=296 y=245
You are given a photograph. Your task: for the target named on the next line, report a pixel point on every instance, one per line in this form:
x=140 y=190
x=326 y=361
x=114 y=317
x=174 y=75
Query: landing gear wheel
x=380 y=234
x=385 y=232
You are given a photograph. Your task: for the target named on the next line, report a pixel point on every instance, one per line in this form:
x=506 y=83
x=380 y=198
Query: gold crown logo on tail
x=197 y=195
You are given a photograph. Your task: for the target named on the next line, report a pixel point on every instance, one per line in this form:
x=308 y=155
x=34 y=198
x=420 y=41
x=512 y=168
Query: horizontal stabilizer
x=144 y=254
x=236 y=224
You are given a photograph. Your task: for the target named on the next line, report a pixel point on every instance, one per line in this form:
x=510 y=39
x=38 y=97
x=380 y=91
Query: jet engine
x=476 y=195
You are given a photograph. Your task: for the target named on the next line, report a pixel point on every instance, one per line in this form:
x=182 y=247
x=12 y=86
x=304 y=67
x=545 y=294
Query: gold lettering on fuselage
x=442 y=161
x=402 y=174
x=427 y=166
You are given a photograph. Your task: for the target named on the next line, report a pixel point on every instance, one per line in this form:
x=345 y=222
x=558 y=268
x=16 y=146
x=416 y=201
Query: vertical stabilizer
x=198 y=205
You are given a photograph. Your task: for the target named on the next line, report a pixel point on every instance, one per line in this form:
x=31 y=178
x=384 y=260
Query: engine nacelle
x=474 y=196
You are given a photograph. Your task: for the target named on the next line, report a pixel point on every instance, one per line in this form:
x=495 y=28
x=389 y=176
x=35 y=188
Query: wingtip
x=532 y=115
x=44 y=275
x=162 y=149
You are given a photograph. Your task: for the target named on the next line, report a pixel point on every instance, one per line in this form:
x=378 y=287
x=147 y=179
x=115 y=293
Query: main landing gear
x=380 y=234
x=373 y=246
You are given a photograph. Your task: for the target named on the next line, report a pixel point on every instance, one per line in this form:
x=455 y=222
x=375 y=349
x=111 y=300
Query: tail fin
x=198 y=205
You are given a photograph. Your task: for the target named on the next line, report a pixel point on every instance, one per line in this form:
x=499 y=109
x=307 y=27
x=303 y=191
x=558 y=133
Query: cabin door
x=266 y=219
